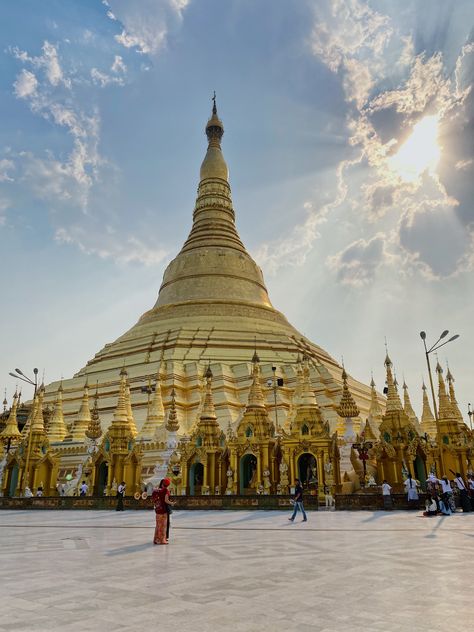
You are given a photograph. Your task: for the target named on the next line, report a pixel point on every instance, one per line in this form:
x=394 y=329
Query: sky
x=349 y=134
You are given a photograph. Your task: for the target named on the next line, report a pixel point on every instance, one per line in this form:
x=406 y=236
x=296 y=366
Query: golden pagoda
x=400 y=447
x=212 y=305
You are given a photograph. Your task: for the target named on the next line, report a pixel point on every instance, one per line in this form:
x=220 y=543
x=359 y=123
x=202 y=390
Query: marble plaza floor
x=77 y=571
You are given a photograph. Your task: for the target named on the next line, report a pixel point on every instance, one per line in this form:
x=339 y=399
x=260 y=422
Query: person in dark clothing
x=298 y=500
x=120 y=495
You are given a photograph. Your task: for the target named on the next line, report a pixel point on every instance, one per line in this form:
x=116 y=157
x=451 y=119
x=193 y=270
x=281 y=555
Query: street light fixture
x=435 y=347
x=470 y=413
x=19 y=375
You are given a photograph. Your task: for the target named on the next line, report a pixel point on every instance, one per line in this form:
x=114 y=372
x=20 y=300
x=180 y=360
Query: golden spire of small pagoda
x=37 y=424
x=307 y=396
x=156 y=412
x=368 y=433
x=131 y=419
x=347 y=407
x=375 y=411
x=207 y=425
x=255 y=398
x=120 y=419
x=444 y=406
x=11 y=433
x=393 y=398
x=31 y=416
x=57 y=429
x=172 y=425
x=83 y=418
x=452 y=397
x=428 y=422
x=408 y=408
x=94 y=429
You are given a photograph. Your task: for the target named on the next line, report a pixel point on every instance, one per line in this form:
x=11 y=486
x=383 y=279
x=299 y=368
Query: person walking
x=84 y=489
x=298 y=500
x=387 y=496
x=463 y=493
x=120 y=495
x=410 y=488
x=447 y=494
x=161 y=501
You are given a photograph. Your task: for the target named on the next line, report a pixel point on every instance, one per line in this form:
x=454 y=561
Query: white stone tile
x=81 y=571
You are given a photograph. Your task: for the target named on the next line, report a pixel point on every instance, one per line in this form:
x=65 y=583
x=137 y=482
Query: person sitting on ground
x=431 y=506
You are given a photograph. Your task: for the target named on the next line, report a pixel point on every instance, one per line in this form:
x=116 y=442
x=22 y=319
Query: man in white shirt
x=387 y=496
x=463 y=493
x=84 y=489
x=447 y=493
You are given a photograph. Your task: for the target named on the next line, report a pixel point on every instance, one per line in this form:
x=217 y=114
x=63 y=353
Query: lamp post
x=435 y=347
x=275 y=383
x=19 y=375
x=470 y=413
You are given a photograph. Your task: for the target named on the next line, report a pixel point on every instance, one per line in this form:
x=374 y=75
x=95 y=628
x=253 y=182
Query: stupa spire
x=255 y=398
x=57 y=430
x=131 y=419
x=207 y=426
x=37 y=424
x=407 y=406
x=156 y=412
x=11 y=432
x=83 y=416
x=375 y=411
x=307 y=397
x=120 y=420
x=393 y=398
x=428 y=422
x=347 y=407
x=94 y=429
x=452 y=396
x=213 y=263
x=172 y=425
x=444 y=405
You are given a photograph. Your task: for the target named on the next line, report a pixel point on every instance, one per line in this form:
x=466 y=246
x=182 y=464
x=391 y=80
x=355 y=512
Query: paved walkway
x=76 y=571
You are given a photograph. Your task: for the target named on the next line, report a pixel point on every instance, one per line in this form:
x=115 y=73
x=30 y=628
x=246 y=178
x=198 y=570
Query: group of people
x=441 y=492
x=440 y=497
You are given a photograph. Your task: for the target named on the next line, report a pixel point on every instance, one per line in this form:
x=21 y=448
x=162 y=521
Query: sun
x=420 y=152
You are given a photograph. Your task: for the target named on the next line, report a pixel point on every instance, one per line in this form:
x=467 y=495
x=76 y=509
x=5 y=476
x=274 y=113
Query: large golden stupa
x=212 y=307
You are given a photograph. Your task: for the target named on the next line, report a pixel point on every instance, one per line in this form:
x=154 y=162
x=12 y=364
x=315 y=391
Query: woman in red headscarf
x=161 y=500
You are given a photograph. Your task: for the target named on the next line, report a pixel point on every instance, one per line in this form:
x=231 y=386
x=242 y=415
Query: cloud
x=105 y=245
x=4 y=205
x=6 y=165
x=79 y=186
x=48 y=62
x=25 y=85
x=358 y=263
x=103 y=80
x=389 y=90
x=147 y=24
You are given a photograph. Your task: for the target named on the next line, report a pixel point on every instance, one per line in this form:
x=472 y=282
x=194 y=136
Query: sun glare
x=420 y=152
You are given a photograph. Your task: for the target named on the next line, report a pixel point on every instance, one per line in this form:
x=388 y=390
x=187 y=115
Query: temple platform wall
x=182 y=502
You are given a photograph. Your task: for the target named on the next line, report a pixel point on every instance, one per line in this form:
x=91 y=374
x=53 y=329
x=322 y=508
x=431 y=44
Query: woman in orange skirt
x=161 y=499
